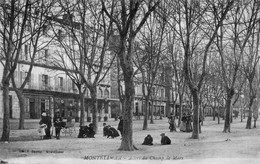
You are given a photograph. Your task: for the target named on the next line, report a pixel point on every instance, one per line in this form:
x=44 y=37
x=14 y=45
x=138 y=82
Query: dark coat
x=165 y=140
x=148 y=140
x=105 y=130
x=86 y=131
x=58 y=122
x=184 y=118
x=112 y=132
x=46 y=120
x=120 y=125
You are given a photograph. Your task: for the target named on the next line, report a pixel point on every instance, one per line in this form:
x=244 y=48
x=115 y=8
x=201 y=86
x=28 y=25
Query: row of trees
x=198 y=40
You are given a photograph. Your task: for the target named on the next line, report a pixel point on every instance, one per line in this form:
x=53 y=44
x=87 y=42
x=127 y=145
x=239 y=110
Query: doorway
x=33 y=114
x=43 y=106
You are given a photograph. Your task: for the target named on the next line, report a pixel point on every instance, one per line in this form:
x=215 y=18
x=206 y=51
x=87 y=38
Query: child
x=41 y=130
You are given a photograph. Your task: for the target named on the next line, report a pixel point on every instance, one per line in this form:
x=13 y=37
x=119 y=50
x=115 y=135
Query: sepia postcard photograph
x=129 y=81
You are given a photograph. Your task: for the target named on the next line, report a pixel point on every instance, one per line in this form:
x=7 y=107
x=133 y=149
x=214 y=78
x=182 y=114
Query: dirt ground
x=240 y=146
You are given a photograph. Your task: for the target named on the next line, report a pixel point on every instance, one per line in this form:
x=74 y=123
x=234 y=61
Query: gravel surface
x=214 y=146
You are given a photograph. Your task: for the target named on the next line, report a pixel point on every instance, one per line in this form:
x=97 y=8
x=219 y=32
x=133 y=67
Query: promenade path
x=240 y=146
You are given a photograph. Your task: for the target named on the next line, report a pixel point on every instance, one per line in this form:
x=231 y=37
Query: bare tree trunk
x=195 y=132
x=6 y=123
x=249 y=118
x=127 y=139
x=93 y=94
x=145 y=125
x=152 y=111
x=218 y=115
x=21 y=99
x=82 y=107
x=201 y=117
x=230 y=94
x=180 y=111
x=241 y=114
x=214 y=113
x=255 y=123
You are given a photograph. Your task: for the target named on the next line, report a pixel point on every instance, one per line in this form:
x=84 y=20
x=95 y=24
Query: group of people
x=185 y=125
x=46 y=125
x=87 y=131
x=110 y=131
x=165 y=140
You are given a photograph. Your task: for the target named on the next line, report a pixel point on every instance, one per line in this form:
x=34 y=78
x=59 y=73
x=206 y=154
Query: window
x=153 y=90
x=60 y=35
x=28 y=26
x=60 y=82
x=106 y=93
x=73 y=85
x=162 y=93
x=46 y=54
x=45 y=79
x=26 y=52
x=44 y=29
x=100 y=93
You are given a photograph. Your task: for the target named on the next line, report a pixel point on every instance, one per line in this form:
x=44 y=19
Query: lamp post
x=241 y=105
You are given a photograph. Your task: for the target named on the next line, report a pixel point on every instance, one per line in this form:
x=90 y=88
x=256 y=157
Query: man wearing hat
x=165 y=140
x=120 y=125
x=57 y=123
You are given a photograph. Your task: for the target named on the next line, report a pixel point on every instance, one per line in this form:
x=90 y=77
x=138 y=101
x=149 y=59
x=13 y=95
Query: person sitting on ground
x=91 y=132
x=83 y=131
x=148 y=140
x=165 y=140
x=112 y=132
x=105 y=129
x=109 y=131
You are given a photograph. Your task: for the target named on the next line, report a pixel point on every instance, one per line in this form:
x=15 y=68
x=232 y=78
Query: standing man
x=57 y=124
x=120 y=125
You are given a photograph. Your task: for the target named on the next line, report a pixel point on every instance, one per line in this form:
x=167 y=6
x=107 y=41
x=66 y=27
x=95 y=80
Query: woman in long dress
x=188 y=123
x=183 y=123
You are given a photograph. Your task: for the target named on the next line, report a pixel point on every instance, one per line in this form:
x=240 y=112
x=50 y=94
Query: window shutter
x=15 y=77
x=49 y=83
x=65 y=84
x=49 y=80
x=56 y=83
x=69 y=84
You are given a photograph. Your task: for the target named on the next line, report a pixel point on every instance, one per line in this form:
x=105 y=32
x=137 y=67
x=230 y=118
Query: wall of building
x=37 y=92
